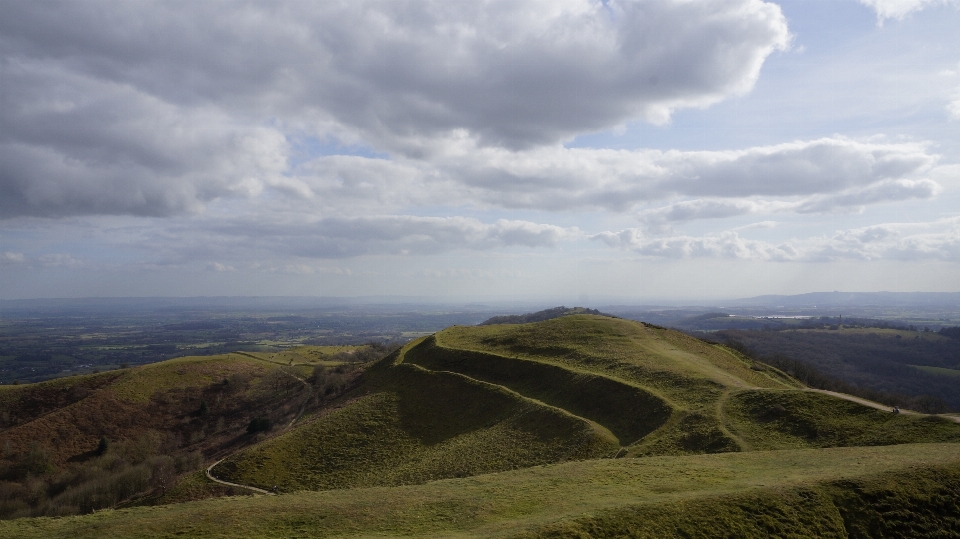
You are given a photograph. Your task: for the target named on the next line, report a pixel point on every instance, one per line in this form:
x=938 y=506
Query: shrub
x=103 y=446
x=259 y=424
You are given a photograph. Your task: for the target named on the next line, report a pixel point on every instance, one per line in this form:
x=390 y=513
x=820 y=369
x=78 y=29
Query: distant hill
x=540 y=316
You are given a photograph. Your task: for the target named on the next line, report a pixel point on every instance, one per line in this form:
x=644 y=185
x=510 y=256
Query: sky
x=588 y=151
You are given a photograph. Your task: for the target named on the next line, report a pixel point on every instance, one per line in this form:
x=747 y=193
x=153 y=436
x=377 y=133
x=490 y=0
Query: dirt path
x=255 y=489
x=878 y=406
x=722 y=417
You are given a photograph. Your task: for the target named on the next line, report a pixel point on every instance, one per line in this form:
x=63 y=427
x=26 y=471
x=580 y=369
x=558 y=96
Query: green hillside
x=473 y=400
x=893 y=491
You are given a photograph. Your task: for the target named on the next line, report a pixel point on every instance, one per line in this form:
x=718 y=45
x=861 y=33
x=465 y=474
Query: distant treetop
x=540 y=316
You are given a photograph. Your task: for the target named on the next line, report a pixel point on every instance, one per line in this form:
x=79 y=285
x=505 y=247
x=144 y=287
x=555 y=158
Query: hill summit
x=540 y=316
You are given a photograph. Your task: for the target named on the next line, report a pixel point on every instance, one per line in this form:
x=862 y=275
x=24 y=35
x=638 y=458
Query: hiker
x=896 y=409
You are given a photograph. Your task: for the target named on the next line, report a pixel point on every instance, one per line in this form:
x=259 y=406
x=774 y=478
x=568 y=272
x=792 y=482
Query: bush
x=259 y=424
x=103 y=446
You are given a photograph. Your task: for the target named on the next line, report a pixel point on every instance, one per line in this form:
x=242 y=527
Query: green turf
x=767 y=419
x=463 y=402
x=415 y=427
x=626 y=410
x=795 y=493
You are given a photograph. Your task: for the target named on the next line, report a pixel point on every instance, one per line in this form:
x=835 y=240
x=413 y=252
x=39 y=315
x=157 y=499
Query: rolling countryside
x=582 y=425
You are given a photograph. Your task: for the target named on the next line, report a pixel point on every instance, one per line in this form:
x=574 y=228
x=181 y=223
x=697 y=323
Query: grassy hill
x=580 y=425
x=472 y=400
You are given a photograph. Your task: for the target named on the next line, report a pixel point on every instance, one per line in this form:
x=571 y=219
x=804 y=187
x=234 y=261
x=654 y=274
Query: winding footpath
x=303 y=406
x=222 y=482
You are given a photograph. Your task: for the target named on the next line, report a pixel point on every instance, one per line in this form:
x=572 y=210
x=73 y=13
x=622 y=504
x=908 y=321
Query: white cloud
x=907 y=241
x=659 y=219
x=883 y=191
x=557 y=178
x=9 y=258
x=758 y=225
x=850 y=200
x=55 y=260
x=344 y=237
x=898 y=9
x=218 y=267
x=953 y=108
x=725 y=245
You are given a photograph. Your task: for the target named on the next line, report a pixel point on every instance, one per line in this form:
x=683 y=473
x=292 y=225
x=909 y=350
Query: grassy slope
x=791 y=419
x=895 y=491
x=415 y=425
x=473 y=400
x=721 y=400
x=627 y=410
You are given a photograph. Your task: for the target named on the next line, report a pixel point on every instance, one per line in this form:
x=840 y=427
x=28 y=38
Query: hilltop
x=540 y=316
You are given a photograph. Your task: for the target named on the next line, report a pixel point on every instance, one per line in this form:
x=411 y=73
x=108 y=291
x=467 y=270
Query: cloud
x=49 y=260
x=9 y=258
x=903 y=241
x=557 y=178
x=893 y=241
x=758 y=225
x=508 y=72
x=56 y=260
x=660 y=219
x=953 y=108
x=157 y=108
x=725 y=245
x=77 y=144
x=883 y=191
x=343 y=237
x=898 y=9
x=340 y=237
x=218 y=267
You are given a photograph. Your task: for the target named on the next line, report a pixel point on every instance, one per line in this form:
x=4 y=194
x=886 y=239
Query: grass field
x=798 y=493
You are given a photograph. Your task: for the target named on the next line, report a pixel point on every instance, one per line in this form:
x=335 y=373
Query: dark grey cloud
x=73 y=144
